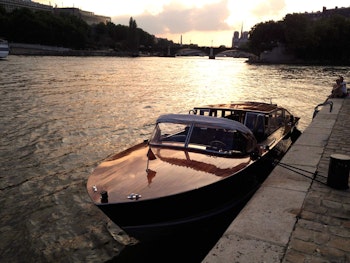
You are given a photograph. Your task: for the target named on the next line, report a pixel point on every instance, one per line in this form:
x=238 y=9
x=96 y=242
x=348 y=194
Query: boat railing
x=316 y=110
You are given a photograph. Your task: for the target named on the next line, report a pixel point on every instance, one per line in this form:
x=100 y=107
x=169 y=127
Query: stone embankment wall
x=42 y=50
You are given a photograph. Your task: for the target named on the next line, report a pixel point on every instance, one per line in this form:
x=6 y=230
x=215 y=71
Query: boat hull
x=183 y=226
x=160 y=218
x=4 y=49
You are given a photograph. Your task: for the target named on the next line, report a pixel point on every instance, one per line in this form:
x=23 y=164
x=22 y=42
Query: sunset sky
x=202 y=22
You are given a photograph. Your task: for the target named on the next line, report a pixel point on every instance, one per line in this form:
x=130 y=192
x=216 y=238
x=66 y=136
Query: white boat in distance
x=4 y=48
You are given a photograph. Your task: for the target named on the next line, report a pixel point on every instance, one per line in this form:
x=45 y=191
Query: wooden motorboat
x=193 y=168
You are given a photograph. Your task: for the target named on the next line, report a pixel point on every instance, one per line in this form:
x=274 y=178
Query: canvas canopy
x=206 y=121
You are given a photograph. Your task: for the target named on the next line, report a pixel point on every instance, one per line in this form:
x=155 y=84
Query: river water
x=60 y=116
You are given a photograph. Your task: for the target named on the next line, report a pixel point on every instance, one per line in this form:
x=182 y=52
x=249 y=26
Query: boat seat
x=256 y=123
x=259 y=129
x=233 y=117
x=250 y=119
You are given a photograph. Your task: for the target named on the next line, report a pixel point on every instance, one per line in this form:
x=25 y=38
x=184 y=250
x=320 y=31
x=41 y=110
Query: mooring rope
x=302 y=172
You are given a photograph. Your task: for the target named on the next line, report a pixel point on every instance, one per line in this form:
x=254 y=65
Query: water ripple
x=60 y=116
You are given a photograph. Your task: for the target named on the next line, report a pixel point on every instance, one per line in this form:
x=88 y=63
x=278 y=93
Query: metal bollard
x=338 y=171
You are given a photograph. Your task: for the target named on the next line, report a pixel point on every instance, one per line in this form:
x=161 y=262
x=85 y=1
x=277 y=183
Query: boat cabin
x=204 y=134
x=261 y=118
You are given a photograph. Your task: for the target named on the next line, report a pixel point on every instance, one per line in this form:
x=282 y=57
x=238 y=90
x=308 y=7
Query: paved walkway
x=293 y=218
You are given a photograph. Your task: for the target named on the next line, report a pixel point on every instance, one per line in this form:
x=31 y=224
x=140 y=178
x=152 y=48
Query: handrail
x=316 y=110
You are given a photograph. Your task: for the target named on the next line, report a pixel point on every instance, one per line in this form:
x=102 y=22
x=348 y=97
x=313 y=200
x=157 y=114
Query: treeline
x=39 y=27
x=322 y=40
x=325 y=40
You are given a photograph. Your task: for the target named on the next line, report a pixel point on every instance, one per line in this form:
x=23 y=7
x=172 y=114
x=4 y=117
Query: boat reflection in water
x=195 y=168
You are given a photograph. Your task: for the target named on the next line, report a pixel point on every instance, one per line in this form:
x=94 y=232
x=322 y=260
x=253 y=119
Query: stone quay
x=298 y=215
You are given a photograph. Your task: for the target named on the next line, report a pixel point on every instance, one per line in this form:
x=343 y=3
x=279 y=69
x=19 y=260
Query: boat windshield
x=199 y=137
x=170 y=134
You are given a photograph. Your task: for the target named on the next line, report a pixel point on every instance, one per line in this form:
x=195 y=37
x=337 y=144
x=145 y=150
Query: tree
x=299 y=34
x=39 y=27
x=133 y=36
x=323 y=40
x=266 y=36
x=333 y=39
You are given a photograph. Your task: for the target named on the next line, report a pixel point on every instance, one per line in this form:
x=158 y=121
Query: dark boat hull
x=162 y=230
x=159 y=218
x=155 y=219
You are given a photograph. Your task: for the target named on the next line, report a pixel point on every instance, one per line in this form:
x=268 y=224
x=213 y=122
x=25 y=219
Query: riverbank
x=21 y=49
x=295 y=216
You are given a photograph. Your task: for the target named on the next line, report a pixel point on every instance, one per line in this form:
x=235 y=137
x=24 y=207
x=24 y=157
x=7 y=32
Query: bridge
x=205 y=51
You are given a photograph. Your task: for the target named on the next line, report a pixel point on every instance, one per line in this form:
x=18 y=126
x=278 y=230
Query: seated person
x=337 y=90
x=344 y=91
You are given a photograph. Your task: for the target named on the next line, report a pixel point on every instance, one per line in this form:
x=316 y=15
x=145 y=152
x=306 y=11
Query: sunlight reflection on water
x=60 y=116
x=102 y=105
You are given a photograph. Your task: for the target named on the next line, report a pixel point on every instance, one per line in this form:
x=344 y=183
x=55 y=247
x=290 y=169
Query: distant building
x=11 y=5
x=343 y=11
x=239 y=40
x=89 y=17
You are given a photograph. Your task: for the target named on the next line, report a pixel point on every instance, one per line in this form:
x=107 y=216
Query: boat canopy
x=203 y=134
x=207 y=121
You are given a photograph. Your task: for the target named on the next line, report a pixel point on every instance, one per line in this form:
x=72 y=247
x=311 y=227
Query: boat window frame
x=276 y=119
x=234 y=148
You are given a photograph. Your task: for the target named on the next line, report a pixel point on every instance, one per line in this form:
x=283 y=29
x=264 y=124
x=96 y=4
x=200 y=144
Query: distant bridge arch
x=205 y=51
x=235 y=53
x=190 y=52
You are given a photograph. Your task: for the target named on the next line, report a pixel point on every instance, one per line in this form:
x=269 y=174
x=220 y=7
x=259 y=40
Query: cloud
x=269 y=8
x=177 y=19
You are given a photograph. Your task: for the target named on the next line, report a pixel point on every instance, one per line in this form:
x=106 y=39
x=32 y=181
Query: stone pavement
x=295 y=216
